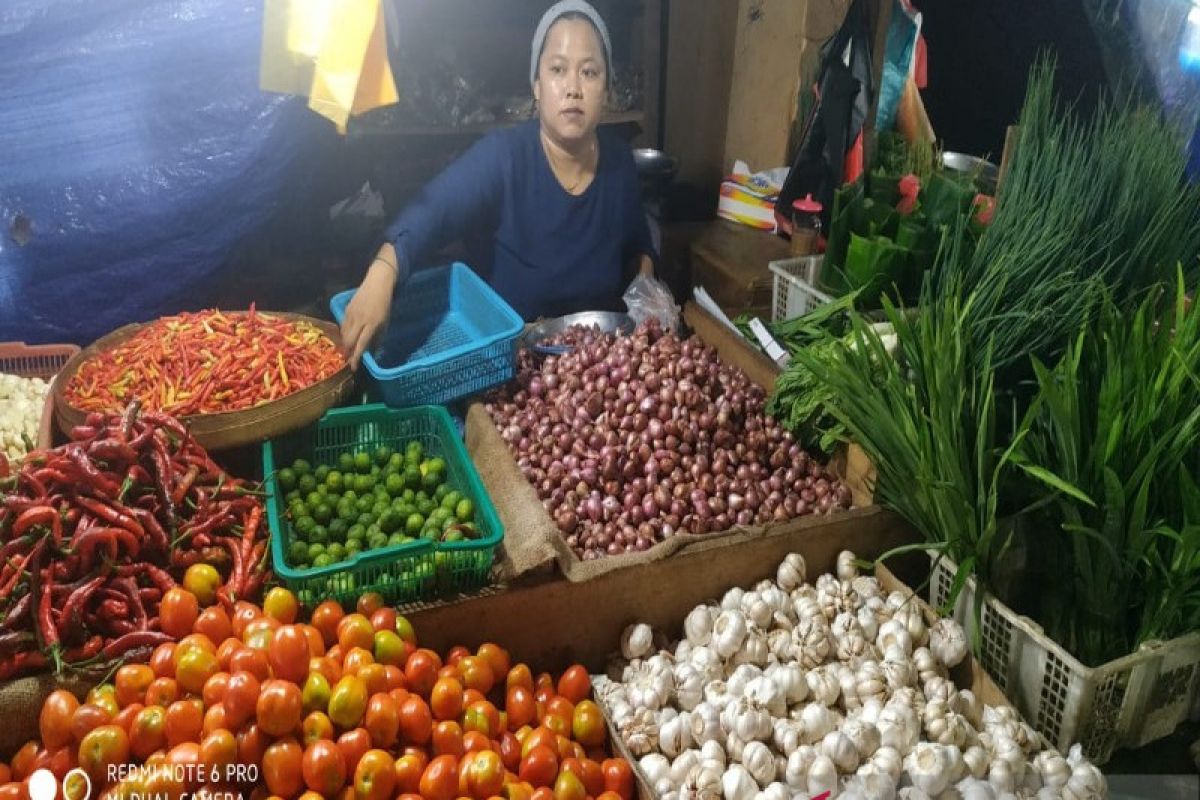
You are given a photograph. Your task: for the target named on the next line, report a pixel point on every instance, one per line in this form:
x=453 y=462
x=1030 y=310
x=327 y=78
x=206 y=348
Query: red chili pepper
x=72 y=609
x=97 y=479
x=17 y=613
x=155 y=535
x=86 y=651
x=185 y=484
x=129 y=587
x=37 y=488
x=133 y=640
x=47 y=630
x=19 y=564
x=40 y=515
x=112 y=539
x=114 y=610
x=20 y=663
x=112 y=451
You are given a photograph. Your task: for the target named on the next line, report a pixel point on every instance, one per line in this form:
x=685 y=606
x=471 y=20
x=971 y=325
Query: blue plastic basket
x=450 y=336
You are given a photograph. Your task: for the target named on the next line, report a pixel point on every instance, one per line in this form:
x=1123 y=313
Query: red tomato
x=86 y=718
x=416 y=721
x=519 y=676
x=214 y=622
x=384 y=619
x=279 y=706
x=218 y=751
x=476 y=674
x=408 y=771
x=539 y=767
x=375 y=776
x=324 y=767
x=575 y=684
x=162 y=692
x=484 y=774
x=510 y=751
x=250 y=660
x=354 y=745
x=325 y=619
x=162 y=660
x=241 y=698
x=131 y=681
x=569 y=787
x=618 y=777
x=288 y=653
x=185 y=721
x=421 y=671
x=587 y=724
x=282 y=768
x=448 y=739
x=446 y=699
x=105 y=746
x=54 y=722
x=439 y=781
x=354 y=630
x=316 y=725
x=178 y=611
x=148 y=732
x=496 y=657
x=589 y=773
x=382 y=720
x=215 y=689
x=252 y=744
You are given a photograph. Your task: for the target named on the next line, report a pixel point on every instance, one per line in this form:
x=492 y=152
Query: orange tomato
x=520 y=707
x=214 y=689
x=569 y=787
x=251 y=660
x=348 y=701
x=544 y=679
x=86 y=718
x=408 y=771
x=282 y=768
x=448 y=739
x=259 y=633
x=384 y=619
x=325 y=619
x=539 y=737
x=281 y=604
x=476 y=674
x=356 y=658
x=369 y=603
x=449 y=671
x=519 y=675
x=559 y=706
x=54 y=722
x=279 y=706
x=327 y=667
x=162 y=692
x=22 y=762
x=608 y=796
x=485 y=774
x=162 y=660
x=575 y=684
x=218 y=751
x=316 y=642
x=185 y=721
x=354 y=745
x=178 y=611
x=439 y=781
x=355 y=630
x=446 y=699
x=243 y=614
x=324 y=768
x=587 y=724
x=420 y=670
x=193 y=667
x=229 y=645
x=288 y=653
x=416 y=720
x=105 y=746
x=241 y=698
x=618 y=777
x=148 y=731
x=215 y=719
x=252 y=744
x=589 y=773
x=395 y=677
x=316 y=725
x=482 y=716
x=214 y=622
x=382 y=720
x=544 y=793
x=131 y=681
x=559 y=724
x=375 y=776
x=517 y=790
x=474 y=740
x=456 y=654
x=496 y=657
x=539 y=767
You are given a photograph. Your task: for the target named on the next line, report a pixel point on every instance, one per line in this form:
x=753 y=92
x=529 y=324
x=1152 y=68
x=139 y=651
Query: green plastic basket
x=401 y=573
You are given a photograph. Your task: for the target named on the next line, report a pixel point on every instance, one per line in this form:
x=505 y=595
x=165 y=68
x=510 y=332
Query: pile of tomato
x=346 y=706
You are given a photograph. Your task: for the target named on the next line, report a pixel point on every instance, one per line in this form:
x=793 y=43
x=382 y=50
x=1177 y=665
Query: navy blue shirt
x=547 y=252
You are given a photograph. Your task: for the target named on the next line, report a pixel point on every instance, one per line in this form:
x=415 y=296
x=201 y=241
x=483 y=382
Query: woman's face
x=571 y=80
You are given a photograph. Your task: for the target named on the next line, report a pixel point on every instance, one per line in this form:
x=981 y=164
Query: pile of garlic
x=21 y=402
x=794 y=689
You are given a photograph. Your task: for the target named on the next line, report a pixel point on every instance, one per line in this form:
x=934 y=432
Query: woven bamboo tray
x=228 y=429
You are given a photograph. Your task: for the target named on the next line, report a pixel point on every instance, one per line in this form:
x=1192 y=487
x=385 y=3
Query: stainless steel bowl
x=985 y=172
x=606 y=321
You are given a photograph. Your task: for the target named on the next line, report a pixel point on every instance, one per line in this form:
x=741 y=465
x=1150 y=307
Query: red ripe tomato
x=241 y=698
x=288 y=654
x=446 y=699
x=148 y=732
x=520 y=707
x=421 y=671
x=382 y=720
x=618 y=777
x=484 y=773
x=439 y=781
x=282 y=768
x=375 y=776
x=185 y=721
x=279 y=707
x=131 y=681
x=162 y=660
x=178 y=611
x=587 y=724
x=416 y=721
x=214 y=622
x=448 y=739
x=324 y=768
x=54 y=723
x=354 y=630
x=575 y=684
x=251 y=660
x=252 y=744
x=325 y=618
x=384 y=619
x=510 y=752
x=354 y=745
x=477 y=674
x=496 y=657
x=86 y=718
x=105 y=746
x=539 y=767
x=162 y=692
x=589 y=773
x=408 y=771
x=214 y=689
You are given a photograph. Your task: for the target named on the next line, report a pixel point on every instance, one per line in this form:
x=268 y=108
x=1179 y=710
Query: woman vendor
x=550 y=210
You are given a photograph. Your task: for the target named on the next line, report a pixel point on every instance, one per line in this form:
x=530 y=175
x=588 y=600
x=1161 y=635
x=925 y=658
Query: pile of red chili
x=94 y=533
x=204 y=363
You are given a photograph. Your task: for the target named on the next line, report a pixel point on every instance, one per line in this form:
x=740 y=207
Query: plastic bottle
x=806 y=225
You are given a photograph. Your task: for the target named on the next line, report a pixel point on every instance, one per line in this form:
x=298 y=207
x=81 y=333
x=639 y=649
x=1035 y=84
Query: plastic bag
x=649 y=298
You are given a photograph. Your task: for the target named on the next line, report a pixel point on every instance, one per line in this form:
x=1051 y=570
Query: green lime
x=323 y=490
x=414 y=523
x=297 y=553
x=451 y=498
x=396 y=539
x=415 y=447
x=337 y=529
x=315 y=550
x=367 y=519
x=301 y=467
x=394 y=484
x=435 y=464
x=389 y=521
x=377 y=541
x=383 y=454
x=287 y=479
x=323 y=560
x=293 y=496
x=314 y=499
x=323 y=513
x=425 y=506
x=396 y=461
x=304 y=525
x=431 y=480
x=320 y=535
x=465 y=510
x=353 y=548
x=306 y=483
x=296 y=508
x=362 y=462
x=453 y=535
x=346 y=510
x=364 y=484
x=321 y=473
x=334 y=481
x=409 y=495
x=441 y=492
x=336 y=551
x=364 y=504
x=375 y=472
x=357 y=532
x=412 y=478
x=345 y=462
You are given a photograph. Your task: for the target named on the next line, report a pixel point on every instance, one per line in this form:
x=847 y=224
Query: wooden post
x=1010 y=145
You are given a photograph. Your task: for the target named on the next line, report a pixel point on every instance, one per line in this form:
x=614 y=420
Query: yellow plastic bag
x=334 y=52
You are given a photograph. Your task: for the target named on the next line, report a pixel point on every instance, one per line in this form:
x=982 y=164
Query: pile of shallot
x=794 y=689
x=632 y=439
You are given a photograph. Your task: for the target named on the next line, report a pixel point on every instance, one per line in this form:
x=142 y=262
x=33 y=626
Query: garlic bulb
x=1053 y=769
x=977 y=760
x=926 y=665
x=1001 y=776
x=705 y=724
x=846 y=568
x=868 y=623
x=779 y=644
x=829 y=596
x=798 y=764
x=757 y=610
x=759 y=762
x=848 y=684
x=747 y=720
x=967 y=704
x=789 y=679
x=894 y=634
x=675 y=735
x=810 y=642
x=889 y=761
x=732 y=599
x=640 y=732
x=706 y=660
x=947 y=642
x=816 y=720
x=683 y=651
x=898 y=670
x=736 y=784
x=912 y=793
x=792 y=572
x=713 y=751
x=703 y=781
x=763 y=693
x=928 y=768
x=851 y=640
x=637 y=641
x=647 y=685
x=683 y=765
x=698 y=624
x=841 y=750
x=717 y=695
x=1086 y=780
x=869 y=784
x=787 y=736
x=870 y=681
x=871 y=709
x=939 y=689
x=734 y=747
x=975 y=789
x=740 y=678
x=754 y=648
x=822 y=775
x=655 y=767
x=898 y=727
x=895 y=600
x=689 y=685
x=911 y=616
x=775 y=791
x=777 y=599
x=823 y=685
x=728 y=633
x=866 y=587
x=806 y=608
x=863 y=735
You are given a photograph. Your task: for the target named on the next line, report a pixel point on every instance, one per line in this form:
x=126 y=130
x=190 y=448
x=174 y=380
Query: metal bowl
x=985 y=172
x=606 y=321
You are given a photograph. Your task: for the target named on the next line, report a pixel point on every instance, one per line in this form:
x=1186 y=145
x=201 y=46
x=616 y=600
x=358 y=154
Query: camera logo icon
x=76 y=785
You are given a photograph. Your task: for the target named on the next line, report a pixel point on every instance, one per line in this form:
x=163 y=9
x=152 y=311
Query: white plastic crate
x=793 y=293
x=1128 y=702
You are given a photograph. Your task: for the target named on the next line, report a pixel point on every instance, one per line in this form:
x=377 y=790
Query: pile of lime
x=369 y=500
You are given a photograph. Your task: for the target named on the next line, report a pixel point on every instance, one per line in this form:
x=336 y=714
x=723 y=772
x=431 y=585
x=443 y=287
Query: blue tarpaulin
x=136 y=150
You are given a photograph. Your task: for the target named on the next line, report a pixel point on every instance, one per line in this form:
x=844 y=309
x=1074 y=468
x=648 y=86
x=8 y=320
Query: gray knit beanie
x=551 y=16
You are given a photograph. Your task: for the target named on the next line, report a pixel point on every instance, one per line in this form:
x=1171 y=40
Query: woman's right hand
x=368 y=310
